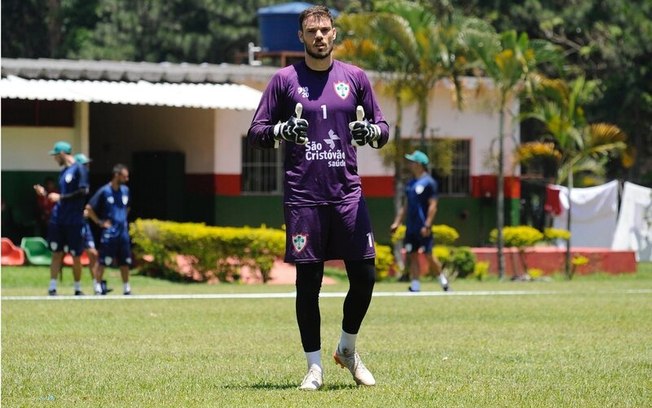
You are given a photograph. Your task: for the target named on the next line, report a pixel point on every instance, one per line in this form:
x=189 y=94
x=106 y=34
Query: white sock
x=443 y=280
x=127 y=287
x=98 y=287
x=77 y=285
x=53 y=284
x=314 y=359
x=416 y=285
x=94 y=283
x=347 y=343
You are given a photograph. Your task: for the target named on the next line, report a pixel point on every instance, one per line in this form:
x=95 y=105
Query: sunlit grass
x=585 y=342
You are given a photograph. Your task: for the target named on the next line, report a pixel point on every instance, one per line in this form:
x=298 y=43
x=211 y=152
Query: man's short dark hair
x=315 y=11
x=117 y=169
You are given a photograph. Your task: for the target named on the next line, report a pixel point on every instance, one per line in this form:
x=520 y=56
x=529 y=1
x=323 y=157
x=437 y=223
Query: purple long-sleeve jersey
x=325 y=170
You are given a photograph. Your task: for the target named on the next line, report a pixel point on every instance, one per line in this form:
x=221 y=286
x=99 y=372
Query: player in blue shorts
x=67 y=218
x=316 y=110
x=87 y=233
x=108 y=208
x=419 y=212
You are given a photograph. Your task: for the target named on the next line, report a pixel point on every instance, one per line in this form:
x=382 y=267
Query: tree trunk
x=500 y=199
x=569 y=274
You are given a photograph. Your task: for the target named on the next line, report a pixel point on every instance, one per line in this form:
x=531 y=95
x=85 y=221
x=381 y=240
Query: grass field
x=583 y=343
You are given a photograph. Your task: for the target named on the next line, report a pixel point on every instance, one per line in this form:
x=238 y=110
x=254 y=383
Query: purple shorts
x=324 y=232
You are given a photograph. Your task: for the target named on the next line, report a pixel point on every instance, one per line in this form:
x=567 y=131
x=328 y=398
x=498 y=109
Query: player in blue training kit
x=317 y=110
x=108 y=208
x=67 y=218
x=419 y=212
x=87 y=233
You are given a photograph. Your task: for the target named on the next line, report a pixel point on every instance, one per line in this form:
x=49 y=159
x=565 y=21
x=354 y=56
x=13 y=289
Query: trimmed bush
x=553 y=234
x=520 y=236
x=215 y=252
x=462 y=262
x=384 y=261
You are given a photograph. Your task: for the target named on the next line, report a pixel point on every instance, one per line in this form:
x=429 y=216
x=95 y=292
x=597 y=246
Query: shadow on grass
x=284 y=386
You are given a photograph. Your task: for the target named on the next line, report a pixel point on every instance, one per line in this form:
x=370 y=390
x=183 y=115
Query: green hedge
x=216 y=252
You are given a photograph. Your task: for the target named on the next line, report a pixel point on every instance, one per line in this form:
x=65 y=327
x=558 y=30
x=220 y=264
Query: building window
x=22 y=112
x=262 y=170
x=458 y=182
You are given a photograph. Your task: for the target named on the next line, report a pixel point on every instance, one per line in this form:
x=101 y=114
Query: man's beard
x=317 y=55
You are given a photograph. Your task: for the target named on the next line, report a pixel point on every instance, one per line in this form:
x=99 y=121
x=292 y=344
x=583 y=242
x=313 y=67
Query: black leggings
x=362 y=276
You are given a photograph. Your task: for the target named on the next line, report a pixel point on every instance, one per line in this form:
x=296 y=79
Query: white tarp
x=634 y=229
x=208 y=96
x=593 y=215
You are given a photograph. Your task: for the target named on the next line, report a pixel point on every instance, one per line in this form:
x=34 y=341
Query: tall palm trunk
x=500 y=204
x=568 y=221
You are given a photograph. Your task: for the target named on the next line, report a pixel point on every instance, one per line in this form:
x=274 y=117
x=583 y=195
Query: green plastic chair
x=36 y=250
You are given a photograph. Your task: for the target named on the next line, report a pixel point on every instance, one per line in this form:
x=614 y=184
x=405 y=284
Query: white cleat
x=353 y=363
x=313 y=380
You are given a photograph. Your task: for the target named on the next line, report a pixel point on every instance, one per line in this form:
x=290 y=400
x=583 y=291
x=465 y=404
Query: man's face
x=60 y=159
x=123 y=176
x=414 y=167
x=318 y=36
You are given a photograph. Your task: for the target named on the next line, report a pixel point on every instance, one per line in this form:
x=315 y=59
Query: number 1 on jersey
x=370 y=238
x=323 y=110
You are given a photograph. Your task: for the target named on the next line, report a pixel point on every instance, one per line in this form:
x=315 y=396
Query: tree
x=24 y=30
x=609 y=41
x=510 y=60
x=413 y=49
x=583 y=149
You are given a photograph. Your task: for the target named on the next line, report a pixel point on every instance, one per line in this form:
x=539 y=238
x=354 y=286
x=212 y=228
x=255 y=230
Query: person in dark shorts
x=419 y=210
x=109 y=208
x=320 y=111
x=87 y=233
x=67 y=217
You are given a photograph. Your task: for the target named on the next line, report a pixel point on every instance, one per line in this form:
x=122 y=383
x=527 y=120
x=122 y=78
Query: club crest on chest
x=342 y=89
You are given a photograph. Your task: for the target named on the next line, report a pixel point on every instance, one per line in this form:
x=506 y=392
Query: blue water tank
x=279 y=25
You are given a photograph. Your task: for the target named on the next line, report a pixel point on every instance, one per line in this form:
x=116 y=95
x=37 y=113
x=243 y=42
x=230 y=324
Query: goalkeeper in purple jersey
x=321 y=111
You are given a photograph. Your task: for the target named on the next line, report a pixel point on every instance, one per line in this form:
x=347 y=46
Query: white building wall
x=26 y=148
x=477 y=121
x=230 y=127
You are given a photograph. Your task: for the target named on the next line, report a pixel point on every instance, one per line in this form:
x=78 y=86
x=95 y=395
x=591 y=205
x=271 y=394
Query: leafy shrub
x=456 y=262
x=481 y=270
x=215 y=252
x=553 y=234
x=462 y=262
x=535 y=273
x=208 y=247
x=384 y=261
x=519 y=236
x=443 y=253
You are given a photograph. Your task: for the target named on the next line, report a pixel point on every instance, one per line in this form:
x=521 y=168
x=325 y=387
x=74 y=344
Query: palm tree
x=583 y=148
x=510 y=60
x=412 y=49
